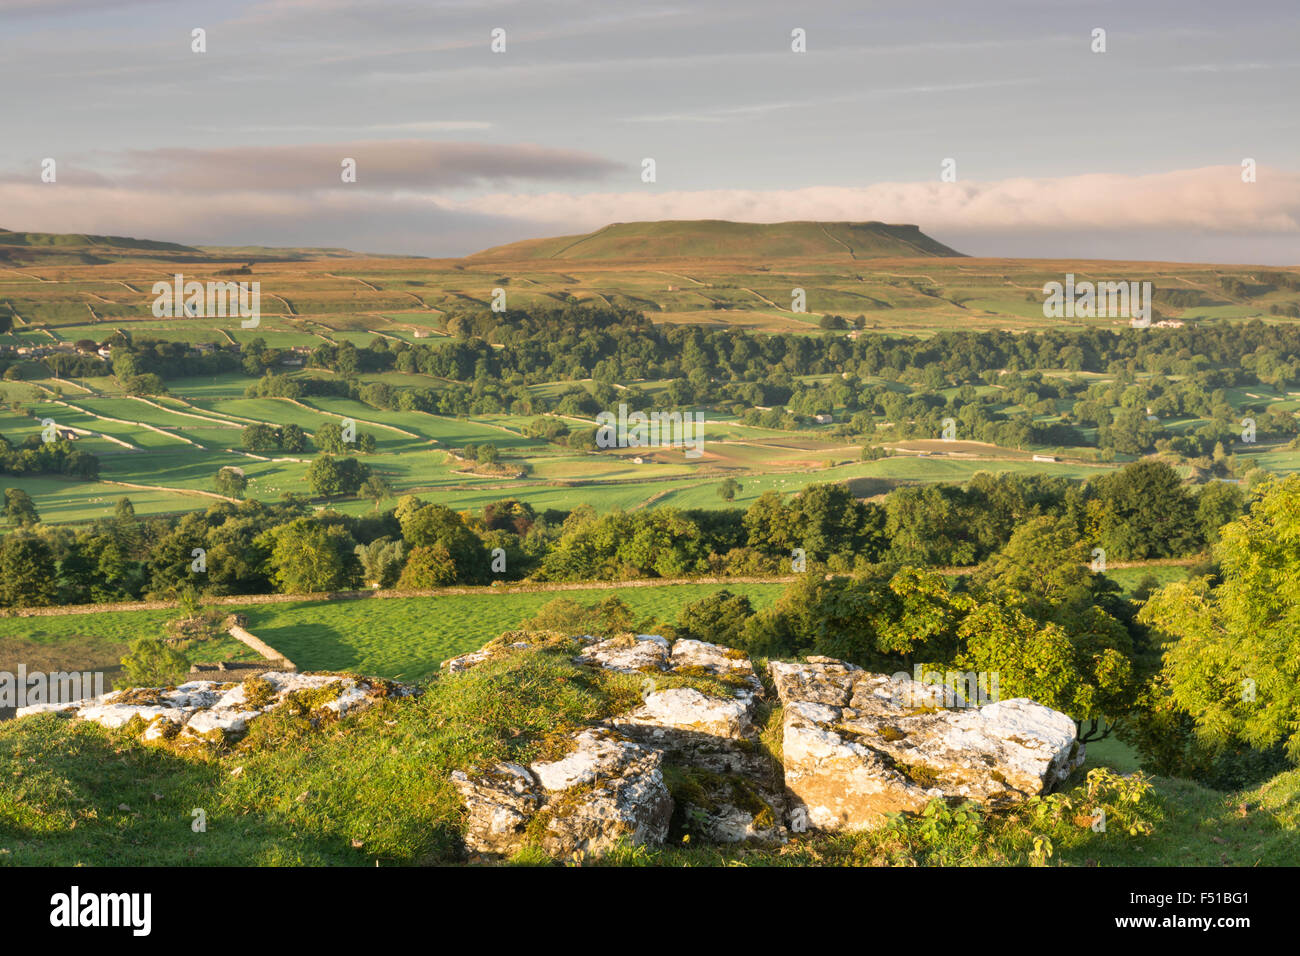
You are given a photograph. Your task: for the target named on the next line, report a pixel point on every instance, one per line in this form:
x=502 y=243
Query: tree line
x=1141 y=511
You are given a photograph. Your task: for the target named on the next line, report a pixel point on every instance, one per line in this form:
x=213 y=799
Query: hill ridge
x=727 y=239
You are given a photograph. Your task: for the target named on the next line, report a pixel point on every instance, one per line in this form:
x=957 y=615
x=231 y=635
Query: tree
x=329 y=439
x=728 y=488
x=1216 y=505
x=328 y=476
x=930 y=525
x=292 y=439
x=1045 y=559
x=260 y=438
x=376 y=488
x=1088 y=678
x=19 y=507
x=1143 y=511
x=1131 y=433
x=876 y=619
x=152 y=663
x=719 y=618
x=27 y=571
x=437 y=524
x=509 y=514
x=307 y=557
x=1233 y=666
x=429 y=566
x=381 y=561
x=230 y=482
x=773 y=525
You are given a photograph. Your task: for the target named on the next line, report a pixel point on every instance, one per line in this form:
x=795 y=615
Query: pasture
x=400 y=638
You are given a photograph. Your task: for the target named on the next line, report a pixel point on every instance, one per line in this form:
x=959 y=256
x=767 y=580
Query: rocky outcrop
x=612 y=786
x=604 y=790
x=629 y=653
x=857 y=746
x=209 y=711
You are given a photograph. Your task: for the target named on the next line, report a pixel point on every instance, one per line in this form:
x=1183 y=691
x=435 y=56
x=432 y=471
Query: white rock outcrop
x=606 y=789
x=204 y=710
x=858 y=746
x=733 y=790
x=628 y=654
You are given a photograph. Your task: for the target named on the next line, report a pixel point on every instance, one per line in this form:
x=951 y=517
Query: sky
x=1058 y=151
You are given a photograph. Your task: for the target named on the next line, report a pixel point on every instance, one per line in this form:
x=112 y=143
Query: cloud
x=381 y=165
x=1211 y=199
x=48 y=8
x=411 y=198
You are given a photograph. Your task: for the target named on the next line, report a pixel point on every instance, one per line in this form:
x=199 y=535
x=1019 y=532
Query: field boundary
x=539 y=587
x=251 y=640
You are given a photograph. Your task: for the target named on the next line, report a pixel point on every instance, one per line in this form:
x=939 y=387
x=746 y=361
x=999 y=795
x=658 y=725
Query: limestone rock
x=685 y=712
x=203 y=710
x=731 y=808
x=604 y=790
x=628 y=654
x=857 y=746
x=819 y=681
x=734 y=667
x=500 y=805
x=625 y=799
x=595 y=754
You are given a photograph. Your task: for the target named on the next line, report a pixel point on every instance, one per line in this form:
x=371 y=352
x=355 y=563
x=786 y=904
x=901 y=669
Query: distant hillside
x=71 y=247
x=291 y=253
x=720 y=239
x=74 y=248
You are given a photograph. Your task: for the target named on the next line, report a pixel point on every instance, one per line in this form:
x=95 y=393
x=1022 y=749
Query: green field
x=399 y=638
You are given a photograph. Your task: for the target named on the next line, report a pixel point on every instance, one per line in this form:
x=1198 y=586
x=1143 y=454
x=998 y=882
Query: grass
x=374 y=788
x=398 y=638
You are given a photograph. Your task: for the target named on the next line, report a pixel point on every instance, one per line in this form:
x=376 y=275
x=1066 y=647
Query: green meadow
x=399 y=638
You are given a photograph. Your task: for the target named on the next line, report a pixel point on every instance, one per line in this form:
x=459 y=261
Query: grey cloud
x=381 y=164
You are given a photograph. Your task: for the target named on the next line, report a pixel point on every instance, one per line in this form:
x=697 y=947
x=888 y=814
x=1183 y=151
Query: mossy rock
x=258 y=692
x=304 y=702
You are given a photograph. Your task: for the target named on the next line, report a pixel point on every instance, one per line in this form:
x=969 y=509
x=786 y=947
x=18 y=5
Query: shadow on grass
x=312 y=646
x=79 y=794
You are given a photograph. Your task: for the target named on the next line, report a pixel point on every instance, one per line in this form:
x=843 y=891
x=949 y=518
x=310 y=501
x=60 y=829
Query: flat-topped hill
x=717 y=238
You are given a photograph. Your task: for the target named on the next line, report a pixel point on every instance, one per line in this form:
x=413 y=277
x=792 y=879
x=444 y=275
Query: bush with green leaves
x=150 y=662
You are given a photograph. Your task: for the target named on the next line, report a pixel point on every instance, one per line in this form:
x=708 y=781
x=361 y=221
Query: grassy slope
x=374 y=788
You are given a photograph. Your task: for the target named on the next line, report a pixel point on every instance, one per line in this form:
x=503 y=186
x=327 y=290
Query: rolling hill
x=73 y=248
x=721 y=239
